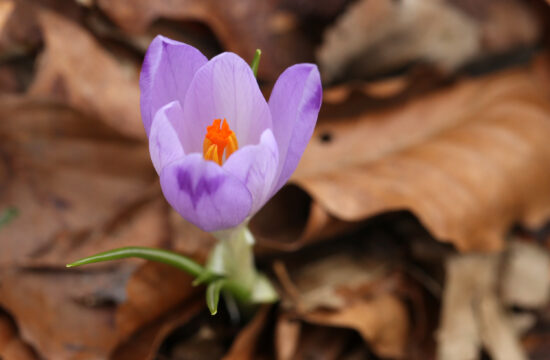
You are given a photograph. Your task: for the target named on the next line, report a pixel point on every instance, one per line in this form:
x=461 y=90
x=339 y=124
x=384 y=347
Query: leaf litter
x=416 y=175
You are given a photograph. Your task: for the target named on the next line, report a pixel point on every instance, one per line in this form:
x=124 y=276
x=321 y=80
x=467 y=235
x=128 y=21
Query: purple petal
x=256 y=167
x=164 y=143
x=167 y=71
x=205 y=194
x=294 y=103
x=225 y=88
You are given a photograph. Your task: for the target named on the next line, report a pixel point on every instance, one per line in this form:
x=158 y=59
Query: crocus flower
x=220 y=149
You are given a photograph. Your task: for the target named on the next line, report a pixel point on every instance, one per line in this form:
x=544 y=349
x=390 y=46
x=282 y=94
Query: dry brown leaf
x=381 y=321
x=323 y=343
x=151 y=291
x=11 y=345
x=18 y=32
x=351 y=291
x=287 y=334
x=473 y=315
x=241 y=26
x=69 y=185
x=387 y=34
x=62 y=171
x=320 y=284
x=323 y=8
x=379 y=36
x=526 y=278
x=64 y=316
x=6 y=9
x=244 y=346
x=75 y=69
x=469 y=161
x=144 y=344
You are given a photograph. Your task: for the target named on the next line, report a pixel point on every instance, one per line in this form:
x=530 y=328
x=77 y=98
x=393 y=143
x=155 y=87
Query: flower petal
x=164 y=143
x=167 y=71
x=205 y=194
x=256 y=167
x=294 y=103
x=225 y=88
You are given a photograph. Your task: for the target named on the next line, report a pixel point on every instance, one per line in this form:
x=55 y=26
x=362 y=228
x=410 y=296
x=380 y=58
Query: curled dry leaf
x=242 y=27
x=12 y=347
x=85 y=76
x=151 y=291
x=244 y=345
x=469 y=161
x=379 y=36
x=145 y=343
x=340 y=291
x=381 y=321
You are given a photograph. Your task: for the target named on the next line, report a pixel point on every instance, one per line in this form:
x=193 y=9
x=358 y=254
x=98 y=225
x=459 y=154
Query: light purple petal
x=294 y=103
x=204 y=193
x=225 y=88
x=167 y=71
x=256 y=167
x=164 y=142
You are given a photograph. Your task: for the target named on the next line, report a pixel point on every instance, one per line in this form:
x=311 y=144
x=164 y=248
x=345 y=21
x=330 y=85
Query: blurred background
x=415 y=227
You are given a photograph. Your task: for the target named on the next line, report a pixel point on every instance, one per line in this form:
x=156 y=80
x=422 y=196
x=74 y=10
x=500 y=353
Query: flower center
x=219 y=139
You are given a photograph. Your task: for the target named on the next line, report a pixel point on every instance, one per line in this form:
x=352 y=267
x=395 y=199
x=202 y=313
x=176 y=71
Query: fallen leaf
x=341 y=290
x=68 y=183
x=85 y=76
x=6 y=9
x=381 y=321
x=144 y=343
x=62 y=171
x=241 y=27
x=287 y=334
x=19 y=32
x=468 y=161
x=244 y=346
x=374 y=37
x=526 y=277
x=323 y=343
x=472 y=314
x=12 y=347
x=64 y=315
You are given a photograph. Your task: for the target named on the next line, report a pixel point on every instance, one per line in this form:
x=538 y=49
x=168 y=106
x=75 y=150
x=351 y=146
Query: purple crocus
x=220 y=149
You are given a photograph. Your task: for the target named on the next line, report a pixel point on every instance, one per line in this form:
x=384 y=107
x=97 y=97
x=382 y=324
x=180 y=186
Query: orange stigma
x=219 y=140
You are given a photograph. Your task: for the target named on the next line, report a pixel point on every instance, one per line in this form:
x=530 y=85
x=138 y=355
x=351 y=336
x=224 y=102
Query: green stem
x=256 y=62
x=164 y=256
x=240 y=292
x=167 y=257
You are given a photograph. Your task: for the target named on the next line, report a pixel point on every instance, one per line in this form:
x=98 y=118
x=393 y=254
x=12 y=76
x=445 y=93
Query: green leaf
x=164 y=256
x=206 y=276
x=256 y=62
x=7 y=215
x=213 y=295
